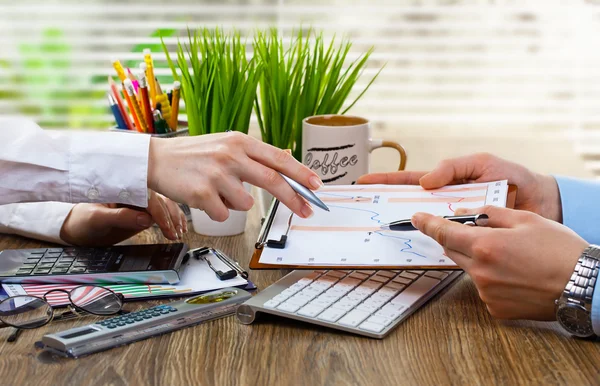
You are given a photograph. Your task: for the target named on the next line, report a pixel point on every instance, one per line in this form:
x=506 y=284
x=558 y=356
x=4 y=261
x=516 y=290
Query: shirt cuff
x=109 y=168
x=580 y=209
x=39 y=220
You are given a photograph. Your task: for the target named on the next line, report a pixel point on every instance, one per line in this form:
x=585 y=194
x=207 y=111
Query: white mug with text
x=338 y=147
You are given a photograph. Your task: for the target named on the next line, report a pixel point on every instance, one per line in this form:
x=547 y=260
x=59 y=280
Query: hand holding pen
x=407 y=225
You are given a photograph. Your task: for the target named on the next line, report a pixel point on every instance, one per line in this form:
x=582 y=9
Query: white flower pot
x=234 y=225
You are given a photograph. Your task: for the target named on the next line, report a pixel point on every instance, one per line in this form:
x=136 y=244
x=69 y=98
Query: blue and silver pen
x=305 y=192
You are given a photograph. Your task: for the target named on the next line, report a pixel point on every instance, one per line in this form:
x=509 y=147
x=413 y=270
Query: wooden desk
x=450 y=340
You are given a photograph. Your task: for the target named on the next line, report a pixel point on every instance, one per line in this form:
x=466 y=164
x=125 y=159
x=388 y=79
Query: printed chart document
x=350 y=233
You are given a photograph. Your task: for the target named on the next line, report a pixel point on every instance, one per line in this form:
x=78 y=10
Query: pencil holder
x=182 y=131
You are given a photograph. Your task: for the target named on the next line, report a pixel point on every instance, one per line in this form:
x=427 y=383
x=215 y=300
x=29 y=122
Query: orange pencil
x=145 y=99
x=138 y=117
x=117 y=95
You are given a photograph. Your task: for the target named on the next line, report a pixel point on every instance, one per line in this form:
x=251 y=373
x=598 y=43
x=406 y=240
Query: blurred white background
x=517 y=78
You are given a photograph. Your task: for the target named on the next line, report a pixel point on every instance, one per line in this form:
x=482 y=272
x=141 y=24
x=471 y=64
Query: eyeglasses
x=25 y=312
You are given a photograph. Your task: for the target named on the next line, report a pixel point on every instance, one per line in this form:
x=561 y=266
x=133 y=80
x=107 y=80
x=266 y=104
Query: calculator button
x=172 y=309
x=111 y=326
x=130 y=321
x=164 y=312
x=80 y=264
x=77 y=270
x=55 y=250
x=138 y=319
x=28 y=266
x=59 y=270
x=37 y=251
x=66 y=259
x=23 y=272
x=41 y=271
x=32 y=261
x=147 y=317
x=62 y=265
x=155 y=314
x=120 y=324
x=45 y=265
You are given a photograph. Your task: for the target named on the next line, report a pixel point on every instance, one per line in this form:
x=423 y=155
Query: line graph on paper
x=350 y=233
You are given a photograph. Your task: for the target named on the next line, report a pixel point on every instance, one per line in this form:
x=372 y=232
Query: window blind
x=471 y=67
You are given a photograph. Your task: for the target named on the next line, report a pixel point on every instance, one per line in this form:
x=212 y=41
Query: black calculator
x=137 y=264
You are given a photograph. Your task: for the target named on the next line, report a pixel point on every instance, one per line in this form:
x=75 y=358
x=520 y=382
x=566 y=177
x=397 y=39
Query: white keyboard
x=365 y=302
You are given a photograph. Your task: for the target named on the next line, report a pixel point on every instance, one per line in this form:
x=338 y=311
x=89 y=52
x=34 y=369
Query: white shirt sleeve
x=71 y=166
x=39 y=220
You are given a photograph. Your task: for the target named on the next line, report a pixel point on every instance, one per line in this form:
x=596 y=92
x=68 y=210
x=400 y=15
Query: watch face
x=575 y=319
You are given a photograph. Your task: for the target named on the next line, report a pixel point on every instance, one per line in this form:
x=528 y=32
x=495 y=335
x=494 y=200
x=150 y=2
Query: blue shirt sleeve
x=581 y=212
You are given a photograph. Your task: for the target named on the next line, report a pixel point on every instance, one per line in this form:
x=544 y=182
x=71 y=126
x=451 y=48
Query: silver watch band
x=582 y=282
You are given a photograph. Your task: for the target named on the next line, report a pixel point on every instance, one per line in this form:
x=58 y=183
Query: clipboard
x=264 y=242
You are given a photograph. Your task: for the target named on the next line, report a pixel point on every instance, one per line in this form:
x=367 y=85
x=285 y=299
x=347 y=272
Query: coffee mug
x=338 y=147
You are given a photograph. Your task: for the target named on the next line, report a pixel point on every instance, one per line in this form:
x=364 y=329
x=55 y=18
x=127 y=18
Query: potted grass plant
x=299 y=79
x=218 y=87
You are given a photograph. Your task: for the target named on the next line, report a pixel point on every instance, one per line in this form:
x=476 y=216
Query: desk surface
x=452 y=339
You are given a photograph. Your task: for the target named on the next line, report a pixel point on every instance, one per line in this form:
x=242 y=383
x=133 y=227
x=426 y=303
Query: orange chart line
x=403 y=190
x=308 y=228
x=437 y=199
x=348 y=199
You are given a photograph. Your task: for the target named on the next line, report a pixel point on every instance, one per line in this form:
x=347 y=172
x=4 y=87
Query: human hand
x=207 y=172
x=107 y=224
x=536 y=192
x=520 y=263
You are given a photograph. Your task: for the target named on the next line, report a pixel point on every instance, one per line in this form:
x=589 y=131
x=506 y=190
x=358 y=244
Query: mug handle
x=378 y=143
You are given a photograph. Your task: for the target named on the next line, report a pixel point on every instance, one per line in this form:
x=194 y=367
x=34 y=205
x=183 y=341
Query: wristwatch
x=573 y=308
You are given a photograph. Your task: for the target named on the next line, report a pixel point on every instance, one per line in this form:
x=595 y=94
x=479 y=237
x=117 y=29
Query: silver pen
x=305 y=192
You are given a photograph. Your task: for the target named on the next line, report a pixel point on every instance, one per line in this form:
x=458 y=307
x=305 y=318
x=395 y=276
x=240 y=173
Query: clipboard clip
x=201 y=254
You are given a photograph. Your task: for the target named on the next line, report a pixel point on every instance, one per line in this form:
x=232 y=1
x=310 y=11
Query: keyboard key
x=413 y=292
x=373 y=327
x=311 y=310
x=402 y=280
x=437 y=274
x=331 y=315
x=288 y=307
x=358 y=296
x=358 y=276
x=388 y=274
x=280 y=298
x=369 y=307
x=297 y=286
x=380 y=279
x=299 y=300
x=395 y=286
x=391 y=311
x=382 y=296
x=336 y=274
x=348 y=282
x=415 y=272
x=408 y=275
x=323 y=302
x=380 y=320
x=271 y=303
x=312 y=291
x=388 y=290
x=366 y=272
x=353 y=318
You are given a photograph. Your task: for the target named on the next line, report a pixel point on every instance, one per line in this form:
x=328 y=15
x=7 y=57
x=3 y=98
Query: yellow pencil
x=163 y=99
x=119 y=69
x=175 y=105
x=138 y=116
x=150 y=74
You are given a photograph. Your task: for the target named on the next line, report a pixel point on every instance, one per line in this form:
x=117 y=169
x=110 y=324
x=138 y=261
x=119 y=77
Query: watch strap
x=584 y=277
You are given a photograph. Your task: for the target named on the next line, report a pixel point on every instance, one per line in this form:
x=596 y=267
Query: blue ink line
x=375 y=214
x=406 y=240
